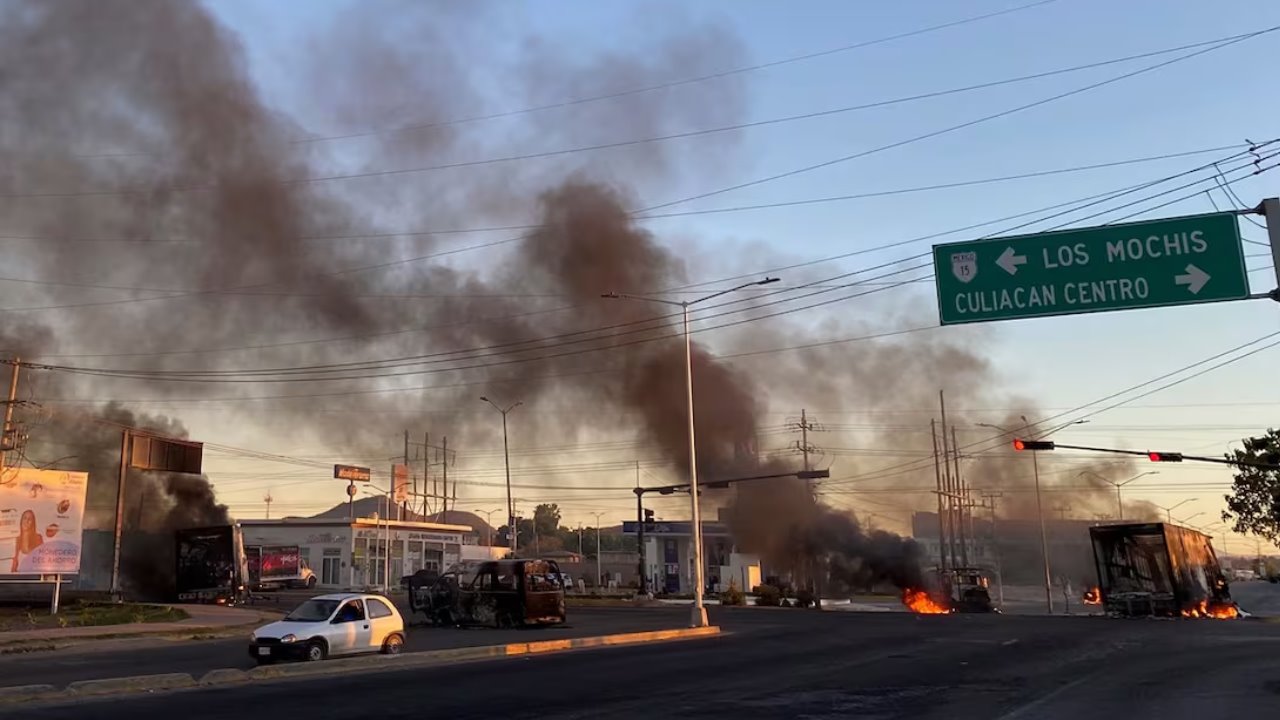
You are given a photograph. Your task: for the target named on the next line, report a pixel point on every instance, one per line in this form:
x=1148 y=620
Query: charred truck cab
x=211 y=565
x=495 y=593
x=968 y=590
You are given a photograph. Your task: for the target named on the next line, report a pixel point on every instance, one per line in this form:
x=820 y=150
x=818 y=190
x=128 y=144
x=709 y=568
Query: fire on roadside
x=1205 y=609
x=919 y=601
x=1093 y=596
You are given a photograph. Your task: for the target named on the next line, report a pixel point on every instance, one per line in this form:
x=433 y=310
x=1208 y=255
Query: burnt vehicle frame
x=492 y=593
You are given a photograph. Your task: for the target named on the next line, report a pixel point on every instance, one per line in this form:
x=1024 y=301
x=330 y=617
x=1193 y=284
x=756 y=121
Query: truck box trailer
x=1159 y=569
x=211 y=565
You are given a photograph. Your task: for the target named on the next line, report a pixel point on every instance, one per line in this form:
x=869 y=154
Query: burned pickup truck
x=494 y=593
x=1159 y=569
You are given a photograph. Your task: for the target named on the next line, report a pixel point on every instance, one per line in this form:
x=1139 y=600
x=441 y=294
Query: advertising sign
x=280 y=562
x=354 y=473
x=400 y=488
x=40 y=521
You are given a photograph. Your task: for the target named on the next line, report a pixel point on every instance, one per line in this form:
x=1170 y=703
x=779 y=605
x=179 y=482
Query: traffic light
x=648 y=519
x=1165 y=456
x=1020 y=444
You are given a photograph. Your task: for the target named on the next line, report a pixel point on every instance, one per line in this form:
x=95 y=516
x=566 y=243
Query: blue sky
x=1218 y=99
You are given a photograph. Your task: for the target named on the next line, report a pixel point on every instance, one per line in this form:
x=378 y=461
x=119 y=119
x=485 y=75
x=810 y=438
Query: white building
x=353 y=553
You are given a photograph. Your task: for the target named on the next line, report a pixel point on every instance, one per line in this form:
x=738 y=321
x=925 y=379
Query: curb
x=111 y=686
x=267 y=673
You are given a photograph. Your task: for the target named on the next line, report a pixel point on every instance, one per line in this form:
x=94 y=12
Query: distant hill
x=369 y=506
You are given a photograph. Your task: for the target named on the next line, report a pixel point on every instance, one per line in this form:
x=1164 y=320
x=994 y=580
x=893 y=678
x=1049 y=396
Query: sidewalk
x=203 y=617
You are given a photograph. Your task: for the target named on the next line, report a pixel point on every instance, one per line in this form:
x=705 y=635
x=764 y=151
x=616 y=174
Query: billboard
x=40 y=521
x=354 y=473
x=166 y=454
x=400 y=483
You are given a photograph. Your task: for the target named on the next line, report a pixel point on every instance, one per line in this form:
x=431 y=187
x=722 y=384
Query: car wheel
x=317 y=651
x=393 y=644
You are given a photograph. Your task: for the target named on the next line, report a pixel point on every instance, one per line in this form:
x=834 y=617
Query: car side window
x=378 y=609
x=351 y=612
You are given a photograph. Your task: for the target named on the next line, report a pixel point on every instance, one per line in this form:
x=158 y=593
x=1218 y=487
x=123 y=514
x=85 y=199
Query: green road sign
x=1176 y=261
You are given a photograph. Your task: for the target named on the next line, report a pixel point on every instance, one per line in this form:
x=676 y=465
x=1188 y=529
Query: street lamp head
x=768 y=280
x=610 y=295
x=484 y=399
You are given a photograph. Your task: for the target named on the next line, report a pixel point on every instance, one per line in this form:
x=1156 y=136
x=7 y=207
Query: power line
x=652 y=216
x=222 y=376
x=670 y=136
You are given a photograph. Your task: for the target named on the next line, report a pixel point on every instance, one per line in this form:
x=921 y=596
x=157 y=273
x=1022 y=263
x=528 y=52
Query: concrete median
x=136 y=683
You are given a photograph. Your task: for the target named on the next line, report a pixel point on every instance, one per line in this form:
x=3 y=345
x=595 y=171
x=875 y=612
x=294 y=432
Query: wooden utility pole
x=937 y=471
x=962 y=499
x=444 y=453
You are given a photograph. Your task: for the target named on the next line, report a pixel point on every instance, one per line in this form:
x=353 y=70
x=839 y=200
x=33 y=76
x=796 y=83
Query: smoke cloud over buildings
x=175 y=237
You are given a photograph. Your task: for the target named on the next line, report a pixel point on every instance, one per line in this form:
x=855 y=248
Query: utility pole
x=804 y=426
x=404 y=505
x=444 y=453
x=989 y=499
x=426 y=472
x=1062 y=511
x=962 y=500
x=266 y=499
x=948 y=484
x=937 y=471
x=8 y=411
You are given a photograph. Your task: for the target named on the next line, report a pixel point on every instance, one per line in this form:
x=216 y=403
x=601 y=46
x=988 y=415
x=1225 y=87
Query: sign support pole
x=125 y=437
x=1270 y=209
x=57 y=587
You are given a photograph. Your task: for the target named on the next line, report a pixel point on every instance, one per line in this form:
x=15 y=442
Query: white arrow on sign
x=1194 y=279
x=1010 y=262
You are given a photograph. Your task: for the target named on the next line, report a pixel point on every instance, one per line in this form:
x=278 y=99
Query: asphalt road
x=105 y=659
x=796 y=664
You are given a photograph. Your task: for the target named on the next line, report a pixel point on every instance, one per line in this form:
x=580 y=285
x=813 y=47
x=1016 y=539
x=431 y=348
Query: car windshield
x=313 y=610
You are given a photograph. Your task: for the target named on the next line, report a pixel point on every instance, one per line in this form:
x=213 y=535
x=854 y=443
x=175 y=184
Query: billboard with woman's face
x=40 y=517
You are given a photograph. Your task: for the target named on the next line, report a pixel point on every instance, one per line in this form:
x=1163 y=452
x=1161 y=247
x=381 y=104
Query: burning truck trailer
x=1159 y=569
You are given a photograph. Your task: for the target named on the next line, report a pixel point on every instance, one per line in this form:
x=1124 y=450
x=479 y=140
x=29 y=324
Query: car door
x=349 y=630
x=384 y=621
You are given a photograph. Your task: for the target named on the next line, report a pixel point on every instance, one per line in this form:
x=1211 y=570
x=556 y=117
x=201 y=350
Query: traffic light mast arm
x=668 y=489
x=1160 y=456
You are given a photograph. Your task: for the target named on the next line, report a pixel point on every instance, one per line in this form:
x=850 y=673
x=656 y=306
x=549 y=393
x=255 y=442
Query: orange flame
x=919 y=601
x=1093 y=596
x=1203 y=609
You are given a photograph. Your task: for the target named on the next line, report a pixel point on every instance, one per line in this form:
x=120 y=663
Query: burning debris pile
x=922 y=602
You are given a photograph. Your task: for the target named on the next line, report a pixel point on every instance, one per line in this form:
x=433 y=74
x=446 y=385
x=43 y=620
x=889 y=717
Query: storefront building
x=362 y=553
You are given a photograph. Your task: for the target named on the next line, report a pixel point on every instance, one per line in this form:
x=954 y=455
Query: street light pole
x=1117 y=486
x=599 y=576
x=1044 y=533
x=506 y=461
x=1169 y=510
x=699 y=615
x=488 y=521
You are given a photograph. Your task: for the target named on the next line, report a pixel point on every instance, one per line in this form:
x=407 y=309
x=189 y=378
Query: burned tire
x=393 y=644
x=317 y=650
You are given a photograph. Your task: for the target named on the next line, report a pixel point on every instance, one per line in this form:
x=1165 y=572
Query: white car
x=337 y=624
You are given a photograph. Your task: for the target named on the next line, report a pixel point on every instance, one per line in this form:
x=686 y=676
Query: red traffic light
x=1165 y=456
x=1019 y=444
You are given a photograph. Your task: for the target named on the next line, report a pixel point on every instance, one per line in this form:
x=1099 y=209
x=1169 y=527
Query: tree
x=546 y=519
x=1254 y=503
